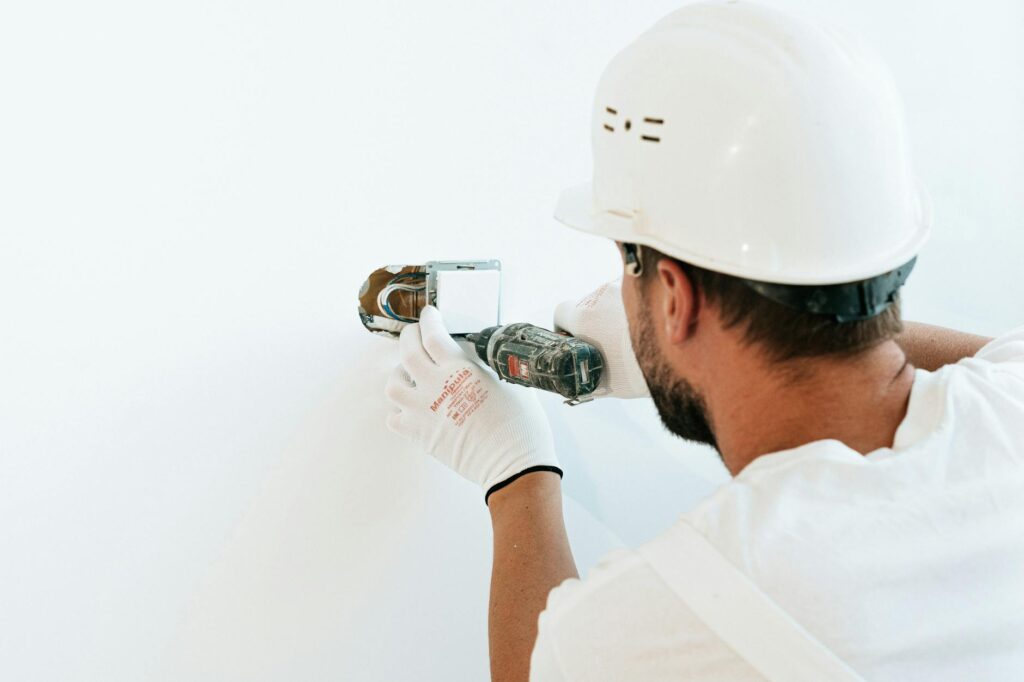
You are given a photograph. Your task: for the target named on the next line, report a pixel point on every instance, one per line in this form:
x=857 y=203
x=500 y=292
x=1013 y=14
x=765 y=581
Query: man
x=753 y=172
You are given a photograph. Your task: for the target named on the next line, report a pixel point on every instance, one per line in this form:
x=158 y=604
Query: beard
x=681 y=407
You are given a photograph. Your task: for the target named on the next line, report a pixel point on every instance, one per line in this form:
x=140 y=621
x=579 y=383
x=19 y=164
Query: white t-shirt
x=907 y=562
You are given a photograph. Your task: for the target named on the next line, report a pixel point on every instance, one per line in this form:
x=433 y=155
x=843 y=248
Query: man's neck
x=757 y=409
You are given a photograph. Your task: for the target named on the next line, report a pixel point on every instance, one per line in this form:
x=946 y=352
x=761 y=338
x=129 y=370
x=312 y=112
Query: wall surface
x=195 y=478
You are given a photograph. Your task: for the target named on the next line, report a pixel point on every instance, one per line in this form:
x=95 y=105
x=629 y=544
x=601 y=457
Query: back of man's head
x=780 y=332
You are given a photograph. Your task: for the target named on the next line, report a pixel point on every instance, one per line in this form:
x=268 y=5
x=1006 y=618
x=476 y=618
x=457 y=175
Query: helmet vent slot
x=628 y=124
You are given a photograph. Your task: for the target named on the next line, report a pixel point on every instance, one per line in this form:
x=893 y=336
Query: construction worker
x=753 y=171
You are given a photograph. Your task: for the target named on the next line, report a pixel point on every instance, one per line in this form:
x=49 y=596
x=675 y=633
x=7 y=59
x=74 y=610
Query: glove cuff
x=530 y=470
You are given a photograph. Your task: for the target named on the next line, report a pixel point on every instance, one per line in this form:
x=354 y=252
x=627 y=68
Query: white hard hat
x=745 y=141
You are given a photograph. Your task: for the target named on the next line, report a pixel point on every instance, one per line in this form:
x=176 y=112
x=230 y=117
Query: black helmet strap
x=846 y=302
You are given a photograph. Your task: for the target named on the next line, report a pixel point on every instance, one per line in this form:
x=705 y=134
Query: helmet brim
x=575 y=209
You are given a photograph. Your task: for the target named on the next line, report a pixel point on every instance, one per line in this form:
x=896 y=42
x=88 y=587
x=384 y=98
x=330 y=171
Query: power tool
x=523 y=354
x=468 y=295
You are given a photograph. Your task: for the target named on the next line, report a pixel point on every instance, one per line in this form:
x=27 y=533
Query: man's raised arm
x=531 y=556
x=930 y=347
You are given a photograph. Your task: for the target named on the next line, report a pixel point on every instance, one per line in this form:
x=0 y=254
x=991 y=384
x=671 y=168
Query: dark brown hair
x=783 y=333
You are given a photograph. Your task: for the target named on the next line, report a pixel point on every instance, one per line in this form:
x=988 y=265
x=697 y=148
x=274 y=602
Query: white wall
x=195 y=479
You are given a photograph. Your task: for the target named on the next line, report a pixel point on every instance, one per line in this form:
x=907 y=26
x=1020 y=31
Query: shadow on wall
x=354 y=544
x=626 y=469
x=365 y=556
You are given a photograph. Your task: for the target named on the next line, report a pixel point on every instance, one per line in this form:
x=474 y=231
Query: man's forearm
x=531 y=556
x=930 y=347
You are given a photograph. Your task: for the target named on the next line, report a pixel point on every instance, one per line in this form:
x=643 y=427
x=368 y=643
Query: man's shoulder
x=609 y=580
x=623 y=622
x=584 y=617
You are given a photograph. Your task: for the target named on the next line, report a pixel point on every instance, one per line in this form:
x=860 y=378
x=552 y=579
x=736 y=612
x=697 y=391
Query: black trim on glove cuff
x=541 y=467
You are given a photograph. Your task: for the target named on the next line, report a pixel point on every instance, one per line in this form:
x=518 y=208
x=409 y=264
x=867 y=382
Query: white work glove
x=600 y=319
x=458 y=411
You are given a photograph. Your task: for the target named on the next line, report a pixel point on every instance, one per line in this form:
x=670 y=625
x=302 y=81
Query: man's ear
x=679 y=302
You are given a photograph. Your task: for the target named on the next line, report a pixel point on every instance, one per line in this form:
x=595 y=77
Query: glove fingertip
x=411 y=329
x=437 y=341
x=433 y=322
x=564 y=315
